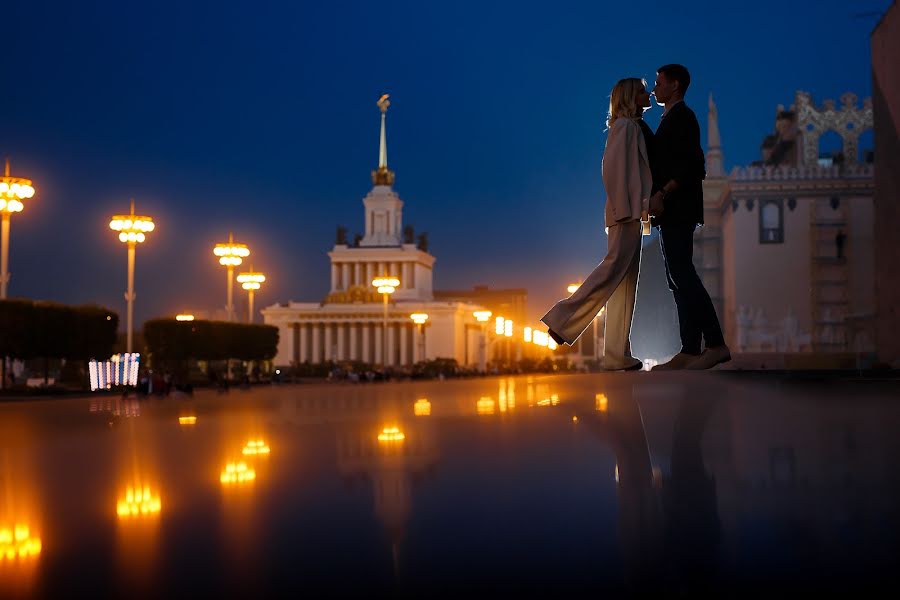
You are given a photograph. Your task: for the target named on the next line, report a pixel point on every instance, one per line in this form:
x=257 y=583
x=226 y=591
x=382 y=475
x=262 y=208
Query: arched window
x=771 y=222
x=865 y=147
x=831 y=149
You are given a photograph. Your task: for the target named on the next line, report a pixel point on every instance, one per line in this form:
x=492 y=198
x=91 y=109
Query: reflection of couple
x=657 y=178
x=670 y=537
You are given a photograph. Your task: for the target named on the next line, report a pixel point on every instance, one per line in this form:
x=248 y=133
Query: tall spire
x=714 y=159
x=383 y=175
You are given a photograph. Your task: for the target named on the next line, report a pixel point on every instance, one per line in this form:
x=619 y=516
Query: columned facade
x=347 y=325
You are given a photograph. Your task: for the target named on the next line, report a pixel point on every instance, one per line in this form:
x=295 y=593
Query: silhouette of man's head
x=672 y=82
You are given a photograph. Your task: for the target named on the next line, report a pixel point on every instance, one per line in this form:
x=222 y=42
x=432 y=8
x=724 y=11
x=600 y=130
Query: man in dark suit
x=676 y=206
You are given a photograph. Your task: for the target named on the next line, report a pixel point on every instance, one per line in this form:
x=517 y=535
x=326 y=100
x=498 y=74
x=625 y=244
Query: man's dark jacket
x=677 y=154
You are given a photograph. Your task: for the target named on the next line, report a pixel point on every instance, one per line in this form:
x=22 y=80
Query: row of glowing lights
x=485 y=406
x=251 y=280
x=12 y=191
x=231 y=254
x=118 y=370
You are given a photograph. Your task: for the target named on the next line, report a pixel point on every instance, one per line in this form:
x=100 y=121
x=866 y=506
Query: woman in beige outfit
x=627 y=180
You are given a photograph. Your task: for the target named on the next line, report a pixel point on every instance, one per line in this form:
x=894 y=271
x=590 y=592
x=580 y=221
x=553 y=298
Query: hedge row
x=171 y=340
x=35 y=329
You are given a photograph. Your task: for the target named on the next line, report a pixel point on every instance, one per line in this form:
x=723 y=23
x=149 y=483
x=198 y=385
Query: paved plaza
x=673 y=484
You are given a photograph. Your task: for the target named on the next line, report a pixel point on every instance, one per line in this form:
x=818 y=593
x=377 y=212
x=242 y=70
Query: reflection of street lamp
x=251 y=282
x=237 y=473
x=132 y=231
x=422 y=407
x=386 y=286
x=482 y=316
x=18 y=543
x=138 y=501
x=419 y=319
x=231 y=254
x=12 y=191
x=391 y=434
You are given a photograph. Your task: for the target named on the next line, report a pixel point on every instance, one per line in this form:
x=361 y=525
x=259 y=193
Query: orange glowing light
x=601 y=403
x=485 y=406
x=422 y=407
x=187 y=420
x=255 y=448
x=16 y=542
x=553 y=400
x=138 y=502
x=237 y=472
x=391 y=434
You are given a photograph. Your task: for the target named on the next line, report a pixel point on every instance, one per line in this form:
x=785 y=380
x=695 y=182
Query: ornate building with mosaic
x=787 y=249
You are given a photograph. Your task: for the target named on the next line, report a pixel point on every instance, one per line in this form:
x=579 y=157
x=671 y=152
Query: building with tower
x=354 y=323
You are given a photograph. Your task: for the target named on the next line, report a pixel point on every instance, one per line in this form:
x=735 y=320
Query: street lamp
x=231 y=254
x=133 y=230
x=184 y=317
x=251 y=282
x=419 y=319
x=12 y=191
x=573 y=287
x=386 y=286
x=482 y=316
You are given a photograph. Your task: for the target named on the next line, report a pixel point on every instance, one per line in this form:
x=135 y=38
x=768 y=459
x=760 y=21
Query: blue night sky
x=260 y=118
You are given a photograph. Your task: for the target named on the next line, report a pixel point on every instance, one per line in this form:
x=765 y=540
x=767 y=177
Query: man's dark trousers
x=696 y=314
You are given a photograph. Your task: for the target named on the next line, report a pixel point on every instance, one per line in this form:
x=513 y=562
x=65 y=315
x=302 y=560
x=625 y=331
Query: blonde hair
x=623 y=100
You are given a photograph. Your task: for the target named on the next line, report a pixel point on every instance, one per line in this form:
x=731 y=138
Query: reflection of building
x=787 y=249
x=886 y=106
x=347 y=324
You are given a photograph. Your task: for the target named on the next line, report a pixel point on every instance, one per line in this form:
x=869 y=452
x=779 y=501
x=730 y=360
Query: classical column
x=346 y=275
x=291 y=343
x=391 y=343
x=403 y=331
x=316 y=343
x=404 y=279
x=370 y=273
x=378 y=346
x=357 y=274
x=304 y=342
x=334 y=277
x=341 y=347
x=366 y=347
x=354 y=346
x=381 y=270
x=328 y=341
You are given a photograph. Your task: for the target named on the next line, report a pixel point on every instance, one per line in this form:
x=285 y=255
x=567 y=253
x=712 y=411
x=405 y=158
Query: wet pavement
x=677 y=484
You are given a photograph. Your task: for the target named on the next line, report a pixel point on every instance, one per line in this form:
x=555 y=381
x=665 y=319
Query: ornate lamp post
x=386 y=286
x=12 y=191
x=482 y=316
x=231 y=254
x=419 y=319
x=251 y=282
x=133 y=230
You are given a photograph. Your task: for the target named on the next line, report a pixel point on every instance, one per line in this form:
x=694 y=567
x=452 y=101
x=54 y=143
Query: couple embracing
x=651 y=179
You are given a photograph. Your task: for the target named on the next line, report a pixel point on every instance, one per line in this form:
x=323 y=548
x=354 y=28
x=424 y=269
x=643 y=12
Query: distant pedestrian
x=839 y=239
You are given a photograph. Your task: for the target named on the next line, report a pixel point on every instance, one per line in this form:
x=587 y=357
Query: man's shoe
x=632 y=364
x=559 y=341
x=710 y=358
x=677 y=363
